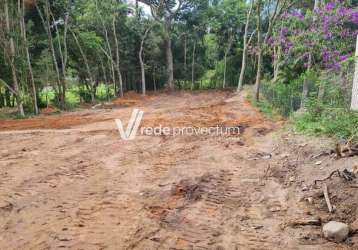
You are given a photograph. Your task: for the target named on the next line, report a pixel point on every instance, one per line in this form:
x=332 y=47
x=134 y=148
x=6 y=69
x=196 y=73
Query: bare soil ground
x=69 y=182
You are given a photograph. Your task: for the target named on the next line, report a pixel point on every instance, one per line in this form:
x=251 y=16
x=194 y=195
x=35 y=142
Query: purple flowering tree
x=323 y=38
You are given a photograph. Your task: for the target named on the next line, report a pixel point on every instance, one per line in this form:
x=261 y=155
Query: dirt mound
x=130 y=98
x=215 y=114
x=61 y=121
x=49 y=110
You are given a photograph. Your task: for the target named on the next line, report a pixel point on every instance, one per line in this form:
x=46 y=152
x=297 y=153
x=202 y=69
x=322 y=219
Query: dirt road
x=70 y=182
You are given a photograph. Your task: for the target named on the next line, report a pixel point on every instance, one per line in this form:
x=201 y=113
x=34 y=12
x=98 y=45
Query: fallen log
x=305 y=222
x=326 y=197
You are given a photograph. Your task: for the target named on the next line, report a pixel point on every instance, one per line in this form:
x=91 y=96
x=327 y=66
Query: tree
x=10 y=50
x=117 y=57
x=320 y=39
x=140 y=55
x=46 y=20
x=245 y=45
x=278 y=7
x=28 y=58
x=259 y=52
x=165 y=11
x=228 y=48
x=89 y=72
x=108 y=50
x=193 y=66
x=354 y=105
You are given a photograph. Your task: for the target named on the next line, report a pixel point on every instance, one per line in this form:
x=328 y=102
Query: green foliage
x=327 y=114
x=320 y=120
x=285 y=98
x=265 y=107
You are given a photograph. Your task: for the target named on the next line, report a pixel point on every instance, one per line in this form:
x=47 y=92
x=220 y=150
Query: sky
x=144 y=6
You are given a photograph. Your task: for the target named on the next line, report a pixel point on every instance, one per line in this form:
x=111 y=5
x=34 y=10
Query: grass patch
x=264 y=107
x=336 y=122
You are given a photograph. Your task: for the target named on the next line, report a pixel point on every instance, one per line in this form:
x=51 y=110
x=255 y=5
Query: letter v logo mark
x=132 y=126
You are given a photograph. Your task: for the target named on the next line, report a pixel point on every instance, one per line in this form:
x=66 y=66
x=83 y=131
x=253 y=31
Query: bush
x=323 y=120
x=285 y=98
x=328 y=115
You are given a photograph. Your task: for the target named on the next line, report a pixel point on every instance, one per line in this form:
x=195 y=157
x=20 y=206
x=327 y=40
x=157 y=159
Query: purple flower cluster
x=328 y=32
x=298 y=15
x=330 y=6
x=355 y=17
x=332 y=59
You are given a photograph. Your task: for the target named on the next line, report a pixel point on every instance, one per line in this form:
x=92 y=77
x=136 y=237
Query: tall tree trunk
x=224 y=79
x=1 y=98
x=142 y=68
x=259 y=53
x=231 y=39
x=154 y=80
x=63 y=54
x=306 y=83
x=277 y=63
x=85 y=60
x=110 y=57
x=193 y=67
x=7 y=98
x=185 y=52
x=317 y=5
x=117 y=58
x=278 y=9
x=105 y=77
x=62 y=73
x=244 y=52
x=24 y=37
x=16 y=88
x=354 y=104
x=46 y=25
x=169 y=56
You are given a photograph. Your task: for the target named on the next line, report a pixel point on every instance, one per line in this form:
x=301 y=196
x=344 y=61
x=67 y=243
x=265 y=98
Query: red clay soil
x=86 y=188
x=49 y=120
x=60 y=121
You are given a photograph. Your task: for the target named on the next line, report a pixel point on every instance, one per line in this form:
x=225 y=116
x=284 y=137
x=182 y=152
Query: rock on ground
x=335 y=231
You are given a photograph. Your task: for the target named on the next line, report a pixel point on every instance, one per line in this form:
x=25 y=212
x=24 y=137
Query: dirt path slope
x=84 y=188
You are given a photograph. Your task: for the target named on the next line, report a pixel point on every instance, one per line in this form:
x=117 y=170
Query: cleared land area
x=70 y=181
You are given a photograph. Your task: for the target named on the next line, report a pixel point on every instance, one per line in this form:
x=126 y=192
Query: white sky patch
x=145 y=7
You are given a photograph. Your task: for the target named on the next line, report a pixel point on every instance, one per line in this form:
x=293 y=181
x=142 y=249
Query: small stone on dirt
x=310 y=200
x=275 y=209
x=304 y=188
x=266 y=157
x=318 y=163
x=336 y=231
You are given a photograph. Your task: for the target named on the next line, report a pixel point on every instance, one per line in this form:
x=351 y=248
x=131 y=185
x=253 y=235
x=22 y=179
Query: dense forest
x=298 y=54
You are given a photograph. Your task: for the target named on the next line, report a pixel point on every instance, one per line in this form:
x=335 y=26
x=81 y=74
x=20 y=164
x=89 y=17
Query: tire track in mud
x=214 y=211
